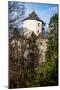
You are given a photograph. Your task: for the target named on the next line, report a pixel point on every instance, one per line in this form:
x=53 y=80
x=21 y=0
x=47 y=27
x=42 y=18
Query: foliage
x=27 y=72
x=51 y=68
x=21 y=69
x=16 y=12
x=47 y=73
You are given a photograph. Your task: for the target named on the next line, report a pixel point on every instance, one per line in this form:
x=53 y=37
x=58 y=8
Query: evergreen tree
x=51 y=69
x=47 y=75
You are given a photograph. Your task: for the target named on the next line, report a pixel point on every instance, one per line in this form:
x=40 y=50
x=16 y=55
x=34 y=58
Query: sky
x=44 y=11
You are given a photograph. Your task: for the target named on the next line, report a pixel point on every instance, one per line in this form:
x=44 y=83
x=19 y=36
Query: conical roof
x=33 y=16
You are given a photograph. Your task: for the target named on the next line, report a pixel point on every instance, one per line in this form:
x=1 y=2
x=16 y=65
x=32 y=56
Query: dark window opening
x=37 y=31
x=41 y=43
x=38 y=24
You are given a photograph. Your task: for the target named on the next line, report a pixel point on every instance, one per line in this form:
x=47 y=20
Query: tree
x=51 y=69
x=32 y=59
x=16 y=60
x=16 y=12
x=47 y=74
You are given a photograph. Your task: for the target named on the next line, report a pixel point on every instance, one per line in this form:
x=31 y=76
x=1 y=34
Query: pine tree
x=51 y=68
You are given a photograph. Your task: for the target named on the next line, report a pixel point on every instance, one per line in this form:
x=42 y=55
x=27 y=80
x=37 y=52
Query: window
x=41 y=43
x=38 y=24
x=37 y=31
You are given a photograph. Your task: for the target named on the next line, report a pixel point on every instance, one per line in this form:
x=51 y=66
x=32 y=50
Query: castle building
x=33 y=23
